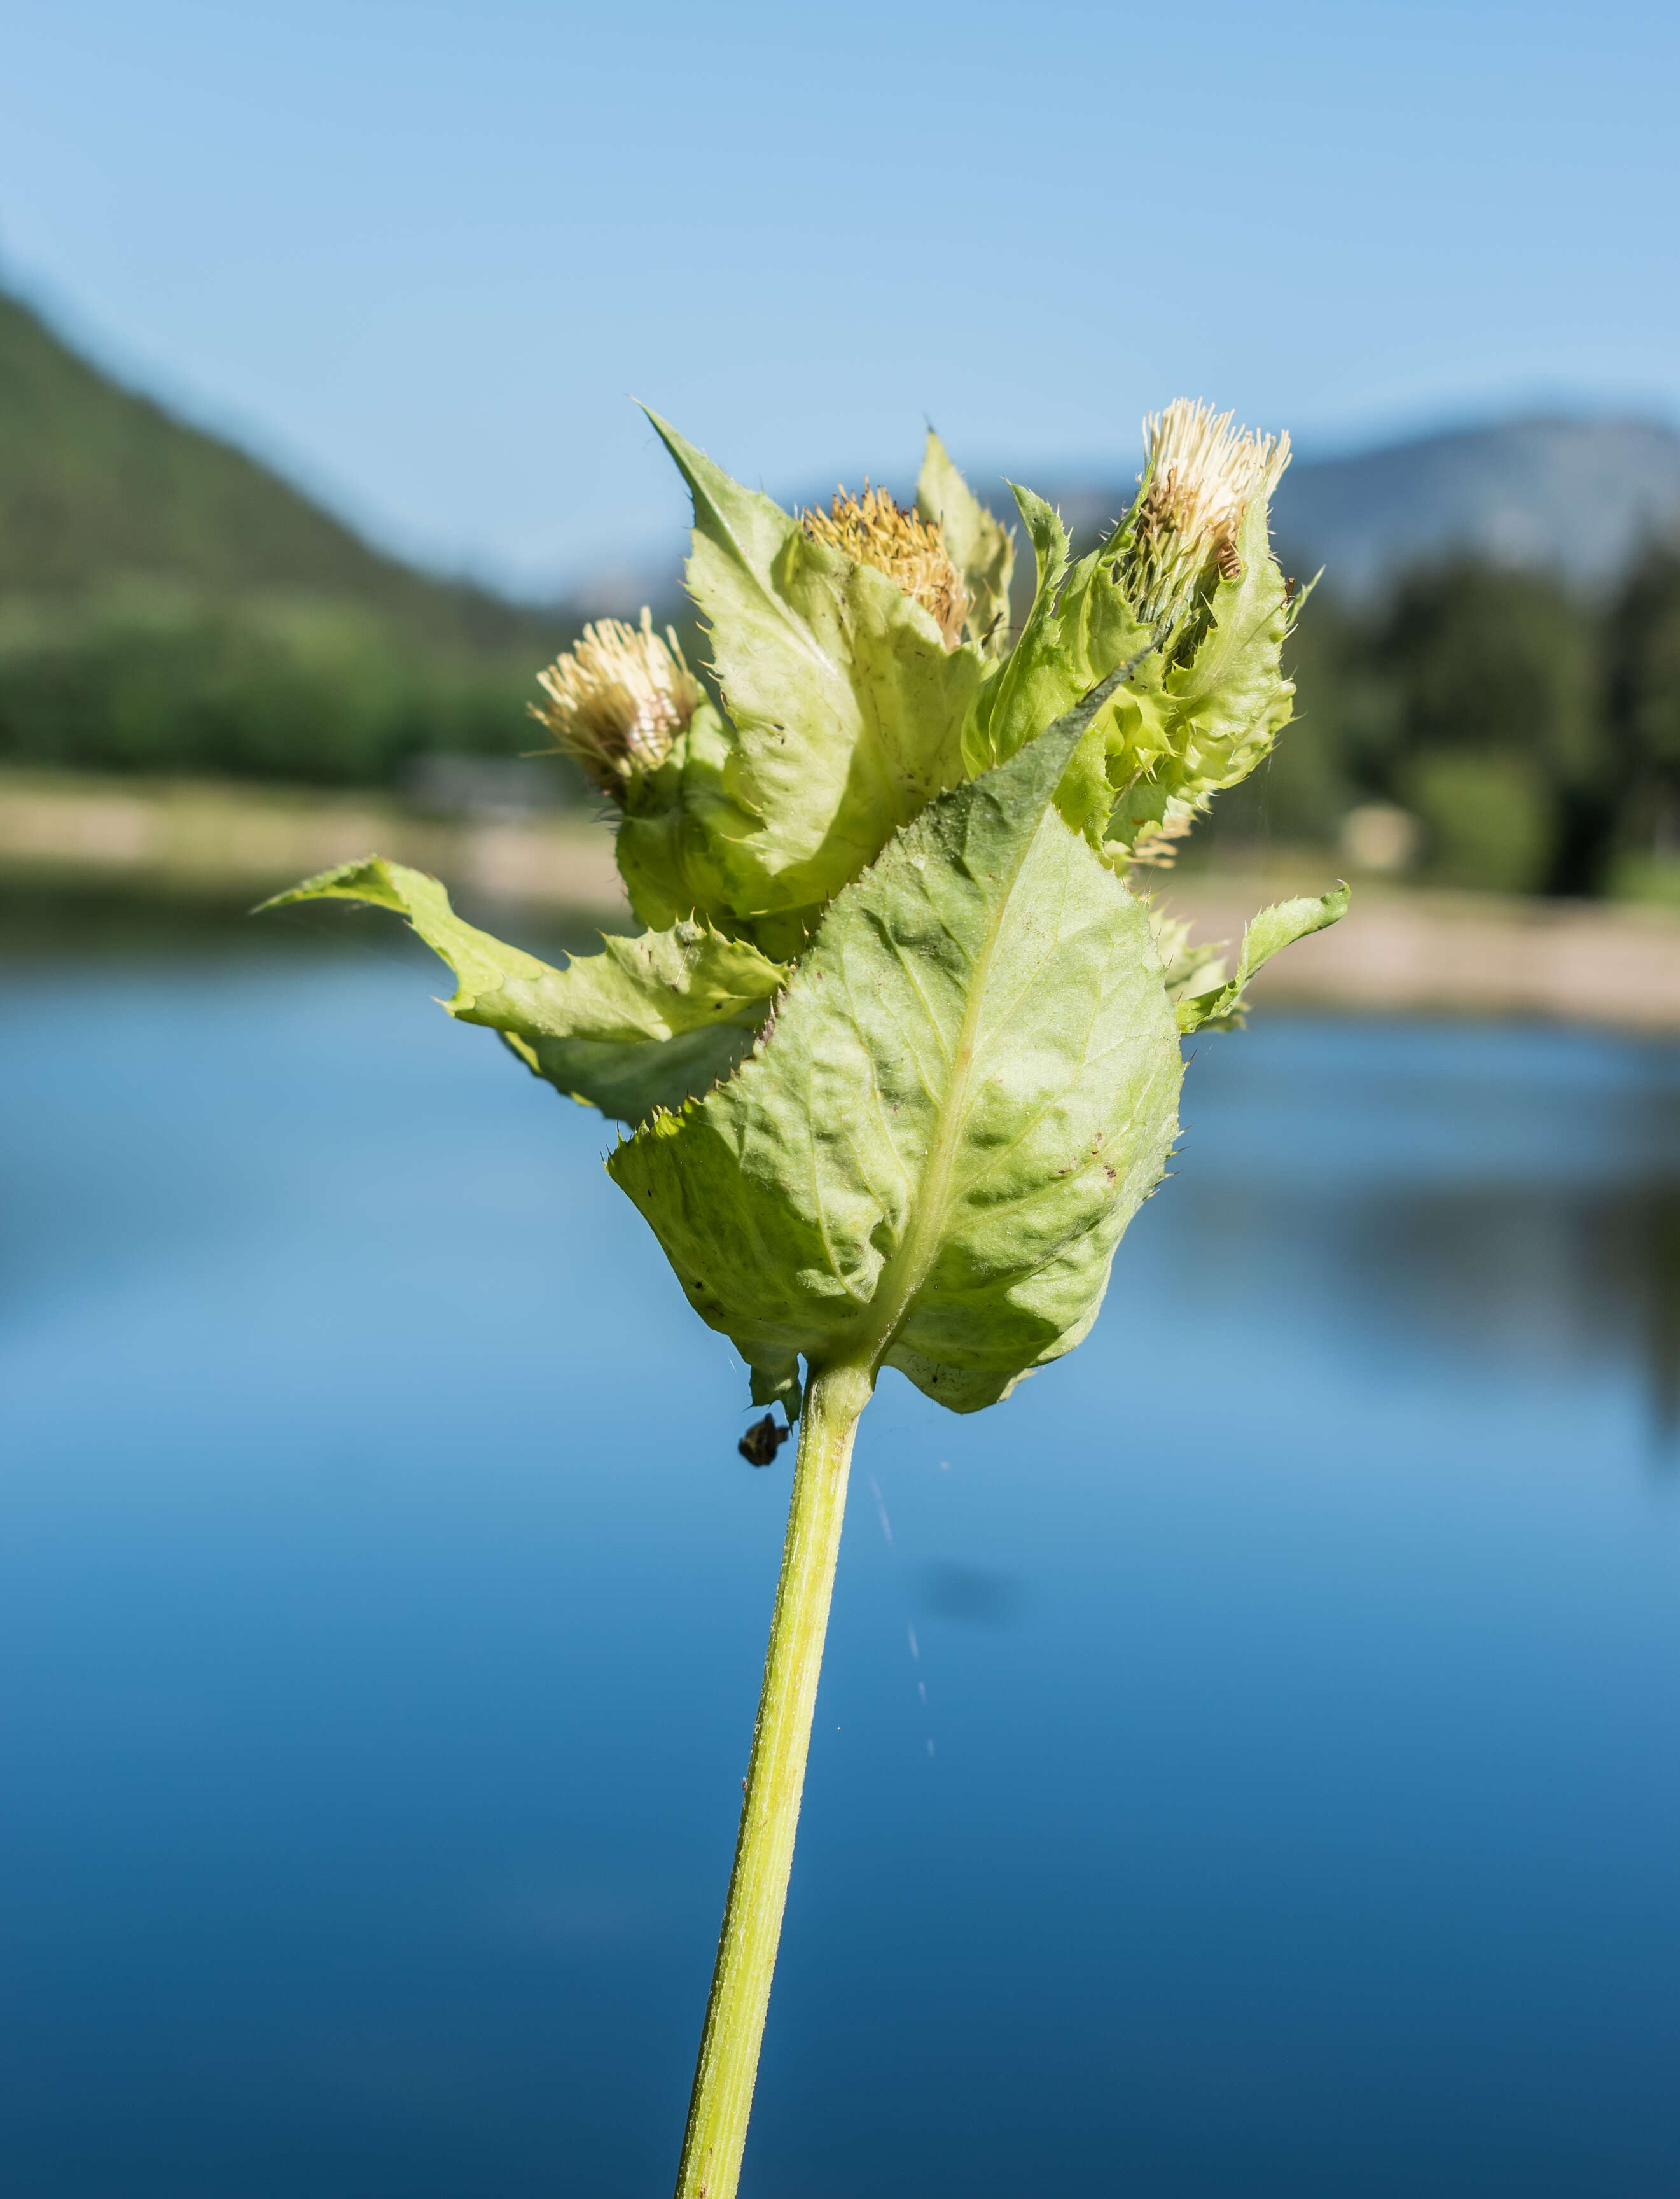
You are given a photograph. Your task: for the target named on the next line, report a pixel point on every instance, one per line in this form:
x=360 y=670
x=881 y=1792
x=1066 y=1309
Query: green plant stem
x=769 y=1816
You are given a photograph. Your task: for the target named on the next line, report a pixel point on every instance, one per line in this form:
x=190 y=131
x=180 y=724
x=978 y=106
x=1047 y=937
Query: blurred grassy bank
x=218 y=846
x=224 y=842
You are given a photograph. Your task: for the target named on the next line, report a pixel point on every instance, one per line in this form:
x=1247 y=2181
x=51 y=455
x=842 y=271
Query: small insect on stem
x=762 y=1441
x=1229 y=564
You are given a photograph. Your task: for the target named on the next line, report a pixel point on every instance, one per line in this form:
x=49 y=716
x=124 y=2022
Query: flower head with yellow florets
x=618 y=700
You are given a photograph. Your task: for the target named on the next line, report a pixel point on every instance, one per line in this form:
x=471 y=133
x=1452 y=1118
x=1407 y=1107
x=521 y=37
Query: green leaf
x=629 y=1082
x=1080 y=628
x=1199 y=713
x=1033 y=686
x=970 y=1084
x=1189 y=967
x=982 y=548
x=844 y=713
x=645 y=1024
x=1227 y=705
x=1271 y=931
x=680 y=824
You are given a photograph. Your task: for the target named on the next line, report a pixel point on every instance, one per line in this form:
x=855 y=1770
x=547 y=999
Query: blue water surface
x=1246 y=1760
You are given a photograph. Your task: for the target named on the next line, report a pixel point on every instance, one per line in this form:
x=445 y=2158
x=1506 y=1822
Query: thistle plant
x=896 y=1050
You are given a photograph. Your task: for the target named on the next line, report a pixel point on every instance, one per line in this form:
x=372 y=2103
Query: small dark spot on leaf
x=1109 y=1172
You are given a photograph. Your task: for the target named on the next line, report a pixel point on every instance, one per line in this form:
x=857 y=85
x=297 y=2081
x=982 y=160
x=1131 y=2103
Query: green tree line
x=158 y=677
x=169 y=603
x=1533 y=735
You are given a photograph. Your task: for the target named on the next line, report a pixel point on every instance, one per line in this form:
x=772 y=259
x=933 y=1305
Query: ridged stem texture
x=764 y=1855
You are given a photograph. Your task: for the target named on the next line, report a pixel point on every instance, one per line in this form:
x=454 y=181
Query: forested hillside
x=166 y=602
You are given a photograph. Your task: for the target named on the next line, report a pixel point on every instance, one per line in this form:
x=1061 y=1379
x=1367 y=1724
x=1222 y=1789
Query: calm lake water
x=1247 y=1761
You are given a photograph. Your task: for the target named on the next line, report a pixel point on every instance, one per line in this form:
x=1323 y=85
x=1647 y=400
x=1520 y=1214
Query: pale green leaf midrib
x=907 y=1269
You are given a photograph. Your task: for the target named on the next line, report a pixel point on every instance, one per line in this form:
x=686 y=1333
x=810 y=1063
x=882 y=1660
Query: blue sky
x=423 y=255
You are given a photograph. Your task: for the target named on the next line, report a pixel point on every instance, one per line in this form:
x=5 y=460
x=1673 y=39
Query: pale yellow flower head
x=873 y=530
x=1200 y=476
x=618 y=700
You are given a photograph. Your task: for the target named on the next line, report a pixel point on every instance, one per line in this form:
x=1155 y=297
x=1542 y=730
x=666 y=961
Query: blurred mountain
x=101 y=487
x=1577 y=498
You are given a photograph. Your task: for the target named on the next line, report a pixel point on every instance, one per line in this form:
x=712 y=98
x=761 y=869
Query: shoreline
x=1401 y=950
x=221 y=837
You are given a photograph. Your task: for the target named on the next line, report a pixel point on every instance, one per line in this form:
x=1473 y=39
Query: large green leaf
x=1270 y=931
x=981 y=548
x=844 y=713
x=645 y=1024
x=970 y=1084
